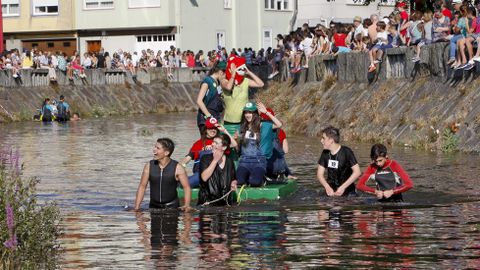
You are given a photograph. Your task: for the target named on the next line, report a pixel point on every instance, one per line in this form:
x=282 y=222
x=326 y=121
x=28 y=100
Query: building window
x=45 y=7
x=227 y=4
x=155 y=38
x=50 y=44
x=67 y=44
x=98 y=4
x=10 y=8
x=277 y=4
x=143 y=3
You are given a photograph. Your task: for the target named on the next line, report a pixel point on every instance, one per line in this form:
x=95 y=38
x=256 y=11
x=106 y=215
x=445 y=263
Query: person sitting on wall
x=390 y=178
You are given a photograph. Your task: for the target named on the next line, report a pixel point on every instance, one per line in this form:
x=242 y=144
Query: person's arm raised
x=256 y=82
x=227 y=85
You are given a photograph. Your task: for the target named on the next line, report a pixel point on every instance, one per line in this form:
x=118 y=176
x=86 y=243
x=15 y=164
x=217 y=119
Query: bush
x=28 y=231
x=450 y=141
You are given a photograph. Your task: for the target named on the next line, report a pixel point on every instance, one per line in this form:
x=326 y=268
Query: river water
x=92 y=169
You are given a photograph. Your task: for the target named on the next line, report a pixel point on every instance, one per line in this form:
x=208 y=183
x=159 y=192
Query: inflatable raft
x=269 y=192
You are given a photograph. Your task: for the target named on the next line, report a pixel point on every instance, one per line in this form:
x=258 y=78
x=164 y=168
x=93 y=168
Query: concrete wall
x=39 y=77
x=396 y=63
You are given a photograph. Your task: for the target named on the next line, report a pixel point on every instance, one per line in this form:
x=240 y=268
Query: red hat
x=239 y=62
x=211 y=122
x=401 y=4
x=265 y=116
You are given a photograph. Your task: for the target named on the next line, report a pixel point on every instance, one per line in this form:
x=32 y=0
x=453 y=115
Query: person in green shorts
x=235 y=91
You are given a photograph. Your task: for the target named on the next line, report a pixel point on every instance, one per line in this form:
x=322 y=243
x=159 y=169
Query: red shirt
x=395 y=167
x=447 y=13
x=199 y=146
x=339 y=39
x=281 y=136
x=404 y=16
x=190 y=61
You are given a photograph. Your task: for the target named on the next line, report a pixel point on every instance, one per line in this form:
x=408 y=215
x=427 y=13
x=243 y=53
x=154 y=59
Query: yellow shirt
x=235 y=101
x=27 y=62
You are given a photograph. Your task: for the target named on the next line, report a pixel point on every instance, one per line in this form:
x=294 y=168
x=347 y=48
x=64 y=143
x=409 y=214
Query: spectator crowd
x=450 y=21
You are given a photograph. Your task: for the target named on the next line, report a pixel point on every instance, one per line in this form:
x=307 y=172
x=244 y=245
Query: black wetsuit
x=163 y=185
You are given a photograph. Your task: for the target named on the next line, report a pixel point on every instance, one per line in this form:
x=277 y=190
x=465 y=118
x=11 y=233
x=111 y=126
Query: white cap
x=457 y=1
x=386 y=20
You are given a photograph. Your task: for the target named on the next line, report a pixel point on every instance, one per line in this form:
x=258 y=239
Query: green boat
x=269 y=192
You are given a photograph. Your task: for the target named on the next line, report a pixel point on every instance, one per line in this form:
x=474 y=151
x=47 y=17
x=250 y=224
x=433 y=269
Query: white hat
x=386 y=20
x=457 y=1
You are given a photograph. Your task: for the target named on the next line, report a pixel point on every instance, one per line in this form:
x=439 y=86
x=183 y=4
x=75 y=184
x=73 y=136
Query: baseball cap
x=250 y=107
x=402 y=4
x=210 y=123
x=457 y=1
x=222 y=65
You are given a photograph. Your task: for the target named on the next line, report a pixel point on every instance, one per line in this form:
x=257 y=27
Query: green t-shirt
x=235 y=100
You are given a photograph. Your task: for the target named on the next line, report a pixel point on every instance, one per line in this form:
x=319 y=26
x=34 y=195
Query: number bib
x=333 y=164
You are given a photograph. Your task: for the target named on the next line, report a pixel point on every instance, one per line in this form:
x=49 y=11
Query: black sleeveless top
x=163 y=184
x=386 y=179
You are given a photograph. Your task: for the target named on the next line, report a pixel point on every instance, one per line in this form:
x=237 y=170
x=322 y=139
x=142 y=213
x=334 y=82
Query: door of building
x=94 y=46
x=267 y=38
x=220 y=39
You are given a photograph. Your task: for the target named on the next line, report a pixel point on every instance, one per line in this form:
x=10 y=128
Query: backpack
x=62 y=114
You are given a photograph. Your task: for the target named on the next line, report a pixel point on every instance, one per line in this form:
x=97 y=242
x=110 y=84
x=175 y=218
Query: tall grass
x=28 y=231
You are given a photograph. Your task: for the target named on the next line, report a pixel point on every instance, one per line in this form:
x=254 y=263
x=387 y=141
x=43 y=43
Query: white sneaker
x=15 y=75
x=476 y=58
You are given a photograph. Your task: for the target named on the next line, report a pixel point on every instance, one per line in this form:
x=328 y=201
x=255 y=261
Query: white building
x=133 y=25
x=323 y=11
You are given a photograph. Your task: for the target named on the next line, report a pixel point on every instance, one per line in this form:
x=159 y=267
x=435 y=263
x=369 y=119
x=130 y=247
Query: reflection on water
x=92 y=168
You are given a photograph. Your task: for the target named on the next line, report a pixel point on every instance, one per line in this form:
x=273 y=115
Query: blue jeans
x=251 y=171
x=453 y=45
x=194 y=180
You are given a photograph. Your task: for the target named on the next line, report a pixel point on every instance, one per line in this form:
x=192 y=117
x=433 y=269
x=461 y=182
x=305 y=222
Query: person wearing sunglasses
x=389 y=177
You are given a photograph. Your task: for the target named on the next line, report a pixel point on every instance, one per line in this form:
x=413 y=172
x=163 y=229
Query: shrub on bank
x=28 y=231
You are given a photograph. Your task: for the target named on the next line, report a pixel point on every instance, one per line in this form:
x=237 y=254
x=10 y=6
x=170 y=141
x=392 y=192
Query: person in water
x=209 y=100
x=217 y=172
x=389 y=177
x=201 y=147
x=254 y=135
x=163 y=173
x=340 y=164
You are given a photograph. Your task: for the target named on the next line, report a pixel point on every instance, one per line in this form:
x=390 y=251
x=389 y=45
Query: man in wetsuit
x=339 y=162
x=163 y=173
